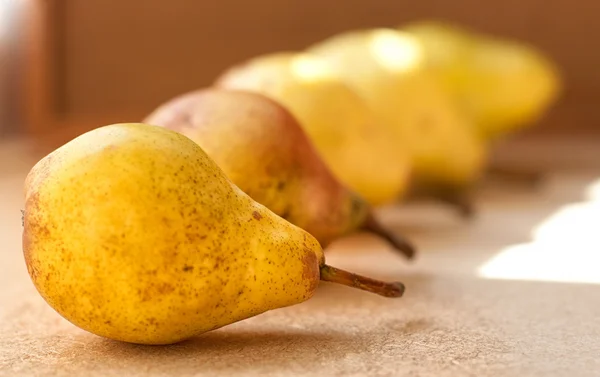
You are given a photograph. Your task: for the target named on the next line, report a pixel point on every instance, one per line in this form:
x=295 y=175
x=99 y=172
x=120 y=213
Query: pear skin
x=133 y=233
x=264 y=151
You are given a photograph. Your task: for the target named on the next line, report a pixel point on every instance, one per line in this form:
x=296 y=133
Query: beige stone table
x=515 y=292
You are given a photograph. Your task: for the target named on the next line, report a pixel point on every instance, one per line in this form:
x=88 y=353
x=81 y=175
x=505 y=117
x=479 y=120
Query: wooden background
x=94 y=62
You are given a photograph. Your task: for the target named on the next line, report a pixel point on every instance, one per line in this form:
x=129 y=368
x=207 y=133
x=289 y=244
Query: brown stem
x=335 y=275
x=398 y=242
x=460 y=201
x=457 y=196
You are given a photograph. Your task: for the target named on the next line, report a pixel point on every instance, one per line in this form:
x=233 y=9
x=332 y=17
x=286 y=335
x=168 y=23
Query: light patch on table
x=565 y=247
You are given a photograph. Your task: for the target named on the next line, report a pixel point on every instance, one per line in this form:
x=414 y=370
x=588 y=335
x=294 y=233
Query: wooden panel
x=10 y=77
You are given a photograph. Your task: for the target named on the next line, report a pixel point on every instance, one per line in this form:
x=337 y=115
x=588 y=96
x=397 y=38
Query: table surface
x=515 y=291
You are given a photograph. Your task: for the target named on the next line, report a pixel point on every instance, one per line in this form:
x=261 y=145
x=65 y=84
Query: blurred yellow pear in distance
x=504 y=85
x=340 y=124
x=386 y=68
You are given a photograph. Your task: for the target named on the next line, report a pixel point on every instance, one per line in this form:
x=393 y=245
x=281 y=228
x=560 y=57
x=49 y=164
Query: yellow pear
x=385 y=67
x=133 y=233
x=264 y=151
x=504 y=85
x=340 y=124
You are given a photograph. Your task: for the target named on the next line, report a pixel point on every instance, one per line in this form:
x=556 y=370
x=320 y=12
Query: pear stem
x=460 y=201
x=335 y=275
x=398 y=242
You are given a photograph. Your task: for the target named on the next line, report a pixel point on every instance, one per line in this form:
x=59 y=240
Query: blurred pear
x=503 y=85
x=361 y=153
x=386 y=67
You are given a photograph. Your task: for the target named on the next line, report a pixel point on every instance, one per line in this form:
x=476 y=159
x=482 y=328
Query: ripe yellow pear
x=385 y=67
x=504 y=85
x=340 y=124
x=264 y=151
x=133 y=233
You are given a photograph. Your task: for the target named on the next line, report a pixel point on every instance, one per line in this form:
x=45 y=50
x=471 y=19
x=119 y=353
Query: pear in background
x=503 y=85
x=386 y=67
x=361 y=154
x=264 y=151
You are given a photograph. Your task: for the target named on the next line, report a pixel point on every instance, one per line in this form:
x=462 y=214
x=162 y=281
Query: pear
x=264 y=151
x=340 y=124
x=503 y=85
x=133 y=233
x=386 y=68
